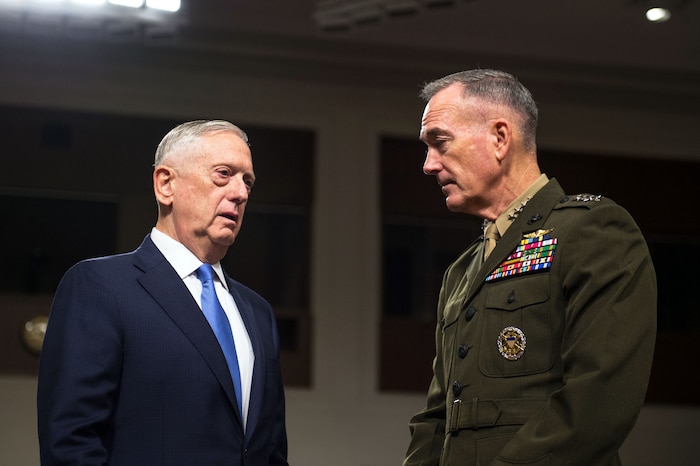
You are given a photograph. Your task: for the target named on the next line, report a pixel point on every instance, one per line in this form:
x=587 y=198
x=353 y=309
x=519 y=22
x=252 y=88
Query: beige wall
x=342 y=420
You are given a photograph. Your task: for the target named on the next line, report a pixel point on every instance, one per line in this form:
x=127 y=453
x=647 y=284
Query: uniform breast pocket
x=517 y=332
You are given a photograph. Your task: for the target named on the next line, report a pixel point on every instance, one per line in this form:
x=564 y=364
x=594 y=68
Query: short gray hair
x=183 y=135
x=497 y=87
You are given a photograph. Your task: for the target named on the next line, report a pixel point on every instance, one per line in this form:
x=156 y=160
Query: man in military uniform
x=546 y=324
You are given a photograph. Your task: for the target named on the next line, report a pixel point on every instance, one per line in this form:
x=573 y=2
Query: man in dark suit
x=546 y=324
x=131 y=371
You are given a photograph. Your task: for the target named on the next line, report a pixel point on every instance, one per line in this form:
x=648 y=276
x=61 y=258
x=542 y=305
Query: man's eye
x=441 y=144
x=224 y=172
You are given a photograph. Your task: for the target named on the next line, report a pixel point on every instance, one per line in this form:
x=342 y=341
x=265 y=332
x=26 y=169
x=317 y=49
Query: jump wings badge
x=538 y=233
x=511 y=343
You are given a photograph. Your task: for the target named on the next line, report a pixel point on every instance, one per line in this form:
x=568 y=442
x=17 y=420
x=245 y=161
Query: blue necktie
x=211 y=307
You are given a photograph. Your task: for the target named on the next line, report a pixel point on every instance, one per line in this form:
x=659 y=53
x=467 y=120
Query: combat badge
x=511 y=343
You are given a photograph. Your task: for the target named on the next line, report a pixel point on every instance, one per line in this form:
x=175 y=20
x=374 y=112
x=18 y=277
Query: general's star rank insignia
x=511 y=343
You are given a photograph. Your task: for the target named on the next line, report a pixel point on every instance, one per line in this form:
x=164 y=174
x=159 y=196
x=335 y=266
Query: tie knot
x=492 y=231
x=491 y=236
x=205 y=273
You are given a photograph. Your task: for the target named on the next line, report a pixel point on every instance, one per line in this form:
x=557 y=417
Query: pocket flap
x=517 y=292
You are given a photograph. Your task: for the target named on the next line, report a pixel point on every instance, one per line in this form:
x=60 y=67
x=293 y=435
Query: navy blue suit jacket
x=132 y=374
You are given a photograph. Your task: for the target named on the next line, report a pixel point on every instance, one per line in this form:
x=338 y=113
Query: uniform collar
x=511 y=212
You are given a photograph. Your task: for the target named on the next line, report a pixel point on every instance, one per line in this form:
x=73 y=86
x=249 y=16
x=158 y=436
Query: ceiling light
x=165 y=5
x=658 y=15
x=129 y=3
x=90 y=2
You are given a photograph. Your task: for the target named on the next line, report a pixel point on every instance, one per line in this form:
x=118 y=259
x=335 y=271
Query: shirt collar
x=183 y=261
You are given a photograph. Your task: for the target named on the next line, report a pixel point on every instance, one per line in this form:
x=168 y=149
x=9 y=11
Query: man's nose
x=238 y=190
x=431 y=166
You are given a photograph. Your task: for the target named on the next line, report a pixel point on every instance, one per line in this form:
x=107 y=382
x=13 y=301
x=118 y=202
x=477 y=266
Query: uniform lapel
x=530 y=219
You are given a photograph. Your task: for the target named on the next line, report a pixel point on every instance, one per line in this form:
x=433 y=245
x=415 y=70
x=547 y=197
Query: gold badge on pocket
x=511 y=343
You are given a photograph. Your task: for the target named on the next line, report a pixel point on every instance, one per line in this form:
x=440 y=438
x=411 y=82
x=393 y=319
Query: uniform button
x=442 y=323
x=469 y=313
x=463 y=350
x=564 y=199
x=456 y=388
x=511 y=297
x=534 y=218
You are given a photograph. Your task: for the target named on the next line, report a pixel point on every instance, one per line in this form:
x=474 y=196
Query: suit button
x=469 y=313
x=463 y=350
x=456 y=388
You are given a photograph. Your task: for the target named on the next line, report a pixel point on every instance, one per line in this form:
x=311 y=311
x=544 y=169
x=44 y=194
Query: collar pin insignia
x=512 y=216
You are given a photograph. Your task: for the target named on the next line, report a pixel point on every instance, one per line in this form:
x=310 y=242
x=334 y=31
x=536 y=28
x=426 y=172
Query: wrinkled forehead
x=200 y=145
x=449 y=110
x=451 y=106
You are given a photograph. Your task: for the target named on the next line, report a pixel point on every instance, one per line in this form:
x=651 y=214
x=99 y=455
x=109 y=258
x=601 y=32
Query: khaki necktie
x=491 y=236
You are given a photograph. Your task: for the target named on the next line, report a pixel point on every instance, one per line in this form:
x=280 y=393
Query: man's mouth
x=232 y=217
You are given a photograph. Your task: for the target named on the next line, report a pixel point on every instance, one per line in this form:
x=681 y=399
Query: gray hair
x=185 y=134
x=497 y=87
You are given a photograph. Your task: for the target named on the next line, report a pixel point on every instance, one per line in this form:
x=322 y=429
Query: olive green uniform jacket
x=547 y=366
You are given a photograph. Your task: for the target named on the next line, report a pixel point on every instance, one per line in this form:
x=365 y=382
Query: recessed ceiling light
x=166 y=5
x=658 y=15
x=129 y=3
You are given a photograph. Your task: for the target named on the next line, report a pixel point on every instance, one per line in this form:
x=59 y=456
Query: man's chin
x=224 y=237
x=226 y=240
x=453 y=206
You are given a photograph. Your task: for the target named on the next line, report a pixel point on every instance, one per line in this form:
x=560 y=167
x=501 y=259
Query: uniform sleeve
x=609 y=293
x=79 y=371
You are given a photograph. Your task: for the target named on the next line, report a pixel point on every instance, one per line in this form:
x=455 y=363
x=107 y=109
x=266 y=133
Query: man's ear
x=502 y=137
x=163 y=186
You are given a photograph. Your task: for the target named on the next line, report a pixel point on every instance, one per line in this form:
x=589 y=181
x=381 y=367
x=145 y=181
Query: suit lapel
x=161 y=281
x=256 y=390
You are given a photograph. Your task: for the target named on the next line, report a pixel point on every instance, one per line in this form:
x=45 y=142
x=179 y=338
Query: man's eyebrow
x=433 y=133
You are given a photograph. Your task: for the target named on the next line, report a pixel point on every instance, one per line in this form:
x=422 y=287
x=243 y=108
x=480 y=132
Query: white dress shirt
x=186 y=264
